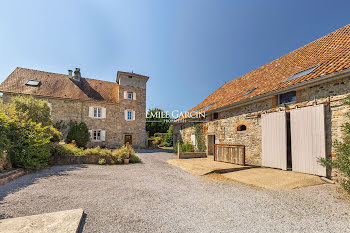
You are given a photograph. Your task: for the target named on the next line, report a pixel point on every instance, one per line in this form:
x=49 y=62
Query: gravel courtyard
x=157 y=197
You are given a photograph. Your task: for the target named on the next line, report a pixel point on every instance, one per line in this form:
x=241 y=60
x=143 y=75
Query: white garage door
x=274 y=140
x=308 y=139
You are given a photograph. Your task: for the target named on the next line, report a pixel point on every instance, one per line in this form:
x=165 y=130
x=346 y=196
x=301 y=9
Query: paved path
x=157 y=197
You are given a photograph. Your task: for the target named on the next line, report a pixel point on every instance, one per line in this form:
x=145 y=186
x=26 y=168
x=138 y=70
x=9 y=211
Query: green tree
x=168 y=139
x=78 y=132
x=33 y=109
x=28 y=140
x=4 y=131
x=157 y=121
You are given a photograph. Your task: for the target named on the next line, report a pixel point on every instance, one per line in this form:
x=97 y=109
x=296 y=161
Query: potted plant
x=126 y=159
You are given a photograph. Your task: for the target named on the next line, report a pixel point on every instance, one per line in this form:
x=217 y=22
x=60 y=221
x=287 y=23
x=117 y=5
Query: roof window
x=33 y=83
x=208 y=106
x=301 y=73
x=249 y=91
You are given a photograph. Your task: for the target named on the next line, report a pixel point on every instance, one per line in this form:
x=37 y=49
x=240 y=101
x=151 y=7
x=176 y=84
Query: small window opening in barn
x=301 y=73
x=249 y=91
x=33 y=83
x=241 y=128
x=288 y=98
x=215 y=115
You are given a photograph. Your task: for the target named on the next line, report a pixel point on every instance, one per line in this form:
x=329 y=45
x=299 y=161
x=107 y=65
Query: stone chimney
x=77 y=74
x=70 y=73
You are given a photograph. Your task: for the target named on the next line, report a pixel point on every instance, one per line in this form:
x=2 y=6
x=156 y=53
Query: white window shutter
x=133 y=115
x=126 y=115
x=91 y=111
x=103 y=112
x=125 y=94
x=103 y=135
x=90 y=132
x=193 y=139
x=134 y=95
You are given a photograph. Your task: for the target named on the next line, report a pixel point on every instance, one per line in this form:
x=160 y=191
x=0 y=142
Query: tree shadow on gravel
x=29 y=179
x=227 y=170
x=155 y=150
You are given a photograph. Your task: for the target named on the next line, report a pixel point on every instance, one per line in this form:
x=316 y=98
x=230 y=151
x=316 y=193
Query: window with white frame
x=130 y=95
x=96 y=136
x=129 y=115
x=97 y=112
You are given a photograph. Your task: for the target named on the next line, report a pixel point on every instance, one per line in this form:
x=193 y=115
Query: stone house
x=286 y=113
x=114 y=112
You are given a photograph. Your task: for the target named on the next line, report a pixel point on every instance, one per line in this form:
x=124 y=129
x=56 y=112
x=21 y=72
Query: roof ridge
x=61 y=74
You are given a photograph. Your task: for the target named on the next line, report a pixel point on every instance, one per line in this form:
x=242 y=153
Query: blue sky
x=188 y=48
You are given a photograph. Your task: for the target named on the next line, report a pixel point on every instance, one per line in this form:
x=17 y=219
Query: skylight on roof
x=208 y=106
x=301 y=73
x=249 y=91
x=33 y=83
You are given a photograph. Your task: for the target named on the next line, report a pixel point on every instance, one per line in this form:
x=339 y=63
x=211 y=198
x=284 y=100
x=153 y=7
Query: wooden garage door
x=308 y=139
x=274 y=140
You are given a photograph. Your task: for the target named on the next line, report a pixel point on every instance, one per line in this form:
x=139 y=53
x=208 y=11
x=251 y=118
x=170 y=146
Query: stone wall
x=225 y=128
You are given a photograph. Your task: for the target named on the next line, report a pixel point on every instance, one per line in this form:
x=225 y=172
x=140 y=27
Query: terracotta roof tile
x=331 y=53
x=59 y=85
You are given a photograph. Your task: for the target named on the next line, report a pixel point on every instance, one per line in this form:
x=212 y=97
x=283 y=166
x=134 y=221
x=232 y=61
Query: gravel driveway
x=157 y=197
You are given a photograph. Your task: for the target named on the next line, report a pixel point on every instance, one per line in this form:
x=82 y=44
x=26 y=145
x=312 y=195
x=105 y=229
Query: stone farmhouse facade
x=114 y=112
x=287 y=113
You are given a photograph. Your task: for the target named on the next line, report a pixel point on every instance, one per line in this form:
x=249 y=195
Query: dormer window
x=33 y=83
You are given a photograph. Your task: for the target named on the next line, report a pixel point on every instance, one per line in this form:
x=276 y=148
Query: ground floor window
x=128 y=139
x=96 y=135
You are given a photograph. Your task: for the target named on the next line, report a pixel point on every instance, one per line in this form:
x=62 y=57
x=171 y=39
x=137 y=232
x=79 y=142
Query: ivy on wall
x=201 y=147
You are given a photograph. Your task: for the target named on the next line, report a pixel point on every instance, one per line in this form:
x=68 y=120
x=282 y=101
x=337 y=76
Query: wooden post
x=178 y=150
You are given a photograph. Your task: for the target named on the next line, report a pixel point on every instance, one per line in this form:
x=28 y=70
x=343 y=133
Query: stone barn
x=285 y=114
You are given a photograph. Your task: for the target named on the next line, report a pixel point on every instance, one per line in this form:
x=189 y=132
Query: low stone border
x=8 y=176
x=74 y=159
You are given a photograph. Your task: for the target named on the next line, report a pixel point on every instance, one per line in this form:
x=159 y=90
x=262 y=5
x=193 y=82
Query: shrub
x=184 y=147
x=74 y=149
x=168 y=137
x=56 y=135
x=125 y=152
x=97 y=151
x=134 y=159
x=34 y=110
x=79 y=133
x=4 y=130
x=187 y=147
x=57 y=150
x=29 y=147
x=102 y=161
x=27 y=139
x=157 y=141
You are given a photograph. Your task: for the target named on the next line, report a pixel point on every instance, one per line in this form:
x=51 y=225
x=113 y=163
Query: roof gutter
x=323 y=79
